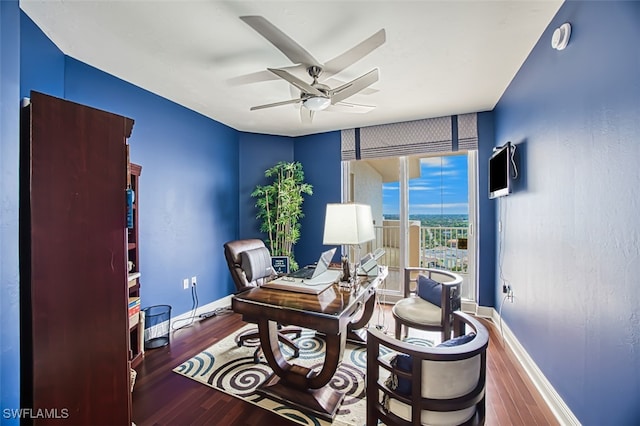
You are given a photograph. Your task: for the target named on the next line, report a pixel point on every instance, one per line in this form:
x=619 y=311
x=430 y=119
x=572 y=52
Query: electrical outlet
x=185 y=283
x=509 y=293
x=193 y=280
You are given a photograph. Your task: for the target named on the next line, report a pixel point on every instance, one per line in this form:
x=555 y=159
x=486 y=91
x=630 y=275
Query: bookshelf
x=136 y=319
x=73 y=274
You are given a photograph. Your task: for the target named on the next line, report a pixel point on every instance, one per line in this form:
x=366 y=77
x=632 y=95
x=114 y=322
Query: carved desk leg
x=298 y=385
x=355 y=330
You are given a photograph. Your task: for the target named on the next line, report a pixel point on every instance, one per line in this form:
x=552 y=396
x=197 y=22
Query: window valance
x=440 y=135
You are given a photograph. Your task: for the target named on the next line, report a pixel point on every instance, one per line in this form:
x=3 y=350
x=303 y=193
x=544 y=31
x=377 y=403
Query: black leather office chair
x=249 y=263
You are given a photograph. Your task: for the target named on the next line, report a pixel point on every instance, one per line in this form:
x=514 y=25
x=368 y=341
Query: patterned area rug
x=230 y=369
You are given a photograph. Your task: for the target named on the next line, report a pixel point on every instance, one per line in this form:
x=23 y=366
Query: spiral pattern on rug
x=231 y=369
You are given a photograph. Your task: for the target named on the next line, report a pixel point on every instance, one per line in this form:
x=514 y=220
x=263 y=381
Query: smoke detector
x=560 y=37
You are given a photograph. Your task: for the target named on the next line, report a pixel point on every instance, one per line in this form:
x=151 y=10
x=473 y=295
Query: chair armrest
x=451 y=297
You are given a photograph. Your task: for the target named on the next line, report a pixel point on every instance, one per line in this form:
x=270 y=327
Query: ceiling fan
x=316 y=96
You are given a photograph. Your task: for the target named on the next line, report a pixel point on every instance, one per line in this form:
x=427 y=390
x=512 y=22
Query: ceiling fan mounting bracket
x=314 y=71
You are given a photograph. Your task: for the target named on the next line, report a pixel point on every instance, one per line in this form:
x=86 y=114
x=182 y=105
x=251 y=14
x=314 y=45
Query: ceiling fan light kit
x=316 y=96
x=316 y=103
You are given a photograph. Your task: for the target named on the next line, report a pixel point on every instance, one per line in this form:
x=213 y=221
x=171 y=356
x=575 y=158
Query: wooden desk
x=332 y=312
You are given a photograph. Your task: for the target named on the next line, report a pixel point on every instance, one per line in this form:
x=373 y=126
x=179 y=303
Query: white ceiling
x=440 y=57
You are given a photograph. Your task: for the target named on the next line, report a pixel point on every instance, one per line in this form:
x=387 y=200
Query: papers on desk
x=310 y=286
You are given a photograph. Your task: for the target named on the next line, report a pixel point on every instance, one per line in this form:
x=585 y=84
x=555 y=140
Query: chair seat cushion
x=419 y=311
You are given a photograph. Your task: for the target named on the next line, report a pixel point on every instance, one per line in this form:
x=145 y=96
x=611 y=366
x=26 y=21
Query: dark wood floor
x=162 y=397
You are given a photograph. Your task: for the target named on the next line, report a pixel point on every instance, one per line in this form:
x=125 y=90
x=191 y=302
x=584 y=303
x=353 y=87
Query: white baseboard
x=485 y=312
x=469 y=307
x=160 y=329
x=208 y=308
x=181 y=320
x=560 y=410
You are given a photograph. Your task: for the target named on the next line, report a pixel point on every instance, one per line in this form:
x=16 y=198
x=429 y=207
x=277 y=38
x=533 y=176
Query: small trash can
x=156 y=326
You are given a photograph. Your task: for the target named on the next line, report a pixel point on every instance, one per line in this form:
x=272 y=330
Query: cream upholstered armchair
x=249 y=263
x=430 y=298
x=451 y=388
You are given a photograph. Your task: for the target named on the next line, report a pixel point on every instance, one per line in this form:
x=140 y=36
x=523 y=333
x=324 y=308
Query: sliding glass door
x=424 y=212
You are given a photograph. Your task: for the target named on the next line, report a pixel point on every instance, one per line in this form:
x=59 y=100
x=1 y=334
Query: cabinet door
x=74 y=263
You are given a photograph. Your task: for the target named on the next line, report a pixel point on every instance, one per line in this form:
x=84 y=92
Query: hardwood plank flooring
x=162 y=397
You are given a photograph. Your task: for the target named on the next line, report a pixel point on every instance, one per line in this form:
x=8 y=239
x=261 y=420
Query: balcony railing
x=444 y=247
x=429 y=246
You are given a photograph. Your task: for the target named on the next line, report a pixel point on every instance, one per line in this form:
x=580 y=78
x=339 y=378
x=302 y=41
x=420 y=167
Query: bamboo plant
x=280 y=207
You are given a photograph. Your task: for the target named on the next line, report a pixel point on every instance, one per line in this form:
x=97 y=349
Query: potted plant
x=280 y=207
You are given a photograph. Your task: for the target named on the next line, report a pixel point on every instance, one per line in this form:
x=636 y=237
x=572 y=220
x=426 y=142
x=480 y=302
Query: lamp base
x=349 y=275
x=346 y=271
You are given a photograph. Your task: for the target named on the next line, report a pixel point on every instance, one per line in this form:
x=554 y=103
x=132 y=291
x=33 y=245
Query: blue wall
x=257 y=153
x=42 y=63
x=570 y=233
x=9 y=159
x=188 y=194
x=320 y=156
x=188 y=188
x=486 y=212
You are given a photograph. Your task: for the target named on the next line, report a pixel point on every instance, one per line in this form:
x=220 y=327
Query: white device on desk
x=369 y=263
x=310 y=279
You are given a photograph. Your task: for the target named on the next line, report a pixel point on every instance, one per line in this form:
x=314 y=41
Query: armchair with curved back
x=249 y=263
x=430 y=298
x=451 y=389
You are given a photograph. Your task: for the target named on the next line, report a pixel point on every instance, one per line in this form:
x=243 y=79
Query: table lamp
x=348 y=224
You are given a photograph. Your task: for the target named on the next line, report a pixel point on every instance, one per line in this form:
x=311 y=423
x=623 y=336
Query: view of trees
x=447 y=220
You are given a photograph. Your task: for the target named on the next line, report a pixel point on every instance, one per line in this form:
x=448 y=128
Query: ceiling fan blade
x=292 y=50
x=254 y=77
x=351 y=108
x=354 y=54
x=334 y=82
x=354 y=86
x=300 y=84
x=306 y=115
x=260 y=76
x=275 y=104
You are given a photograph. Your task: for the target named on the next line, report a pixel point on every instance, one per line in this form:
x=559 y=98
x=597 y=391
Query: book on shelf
x=134 y=305
x=134 y=319
x=134 y=310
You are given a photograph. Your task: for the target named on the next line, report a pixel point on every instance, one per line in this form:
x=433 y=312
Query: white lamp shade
x=348 y=224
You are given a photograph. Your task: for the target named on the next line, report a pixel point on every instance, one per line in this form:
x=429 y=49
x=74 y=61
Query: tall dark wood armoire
x=73 y=264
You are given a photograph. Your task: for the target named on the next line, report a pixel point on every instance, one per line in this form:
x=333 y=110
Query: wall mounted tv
x=501 y=168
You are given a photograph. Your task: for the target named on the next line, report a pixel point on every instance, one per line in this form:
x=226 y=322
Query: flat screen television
x=500 y=169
